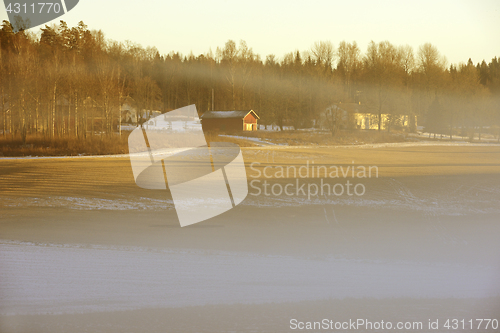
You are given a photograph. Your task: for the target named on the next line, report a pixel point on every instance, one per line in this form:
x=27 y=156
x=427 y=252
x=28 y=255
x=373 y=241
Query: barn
x=229 y=121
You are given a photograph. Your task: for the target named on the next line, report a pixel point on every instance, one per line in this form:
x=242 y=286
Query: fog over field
x=84 y=249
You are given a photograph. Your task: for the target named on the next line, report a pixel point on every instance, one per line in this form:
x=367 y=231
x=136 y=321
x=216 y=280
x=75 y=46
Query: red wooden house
x=229 y=121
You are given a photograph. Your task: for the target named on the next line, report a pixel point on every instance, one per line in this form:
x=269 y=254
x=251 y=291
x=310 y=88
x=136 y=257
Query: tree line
x=71 y=81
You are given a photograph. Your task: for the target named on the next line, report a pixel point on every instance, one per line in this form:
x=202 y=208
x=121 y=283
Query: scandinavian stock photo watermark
x=310 y=180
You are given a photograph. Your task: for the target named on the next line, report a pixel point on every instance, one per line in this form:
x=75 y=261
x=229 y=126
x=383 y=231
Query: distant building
x=128 y=111
x=229 y=121
x=357 y=115
x=399 y=121
x=338 y=116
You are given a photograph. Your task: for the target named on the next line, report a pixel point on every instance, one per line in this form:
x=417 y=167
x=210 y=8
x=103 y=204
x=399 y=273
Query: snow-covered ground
x=78 y=236
x=274 y=127
x=389 y=193
x=49 y=278
x=485 y=138
x=259 y=141
x=265 y=144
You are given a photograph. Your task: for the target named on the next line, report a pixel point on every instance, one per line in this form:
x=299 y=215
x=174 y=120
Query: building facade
x=229 y=121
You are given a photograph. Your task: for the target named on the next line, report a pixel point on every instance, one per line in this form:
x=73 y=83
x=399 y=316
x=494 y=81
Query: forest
x=69 y=82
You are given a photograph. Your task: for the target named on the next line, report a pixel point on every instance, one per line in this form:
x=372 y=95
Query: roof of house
x=228 y=114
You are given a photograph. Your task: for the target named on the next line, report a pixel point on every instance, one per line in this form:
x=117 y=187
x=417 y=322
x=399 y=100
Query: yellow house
x=356 y=115
x=370 y=121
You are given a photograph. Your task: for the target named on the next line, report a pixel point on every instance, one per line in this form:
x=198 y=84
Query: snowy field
x=82 y=248
x=76 y=278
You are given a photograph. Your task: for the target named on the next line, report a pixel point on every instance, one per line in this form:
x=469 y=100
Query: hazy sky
x=459 y=29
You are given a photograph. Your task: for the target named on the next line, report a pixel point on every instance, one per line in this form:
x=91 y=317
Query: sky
x=459 y=29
